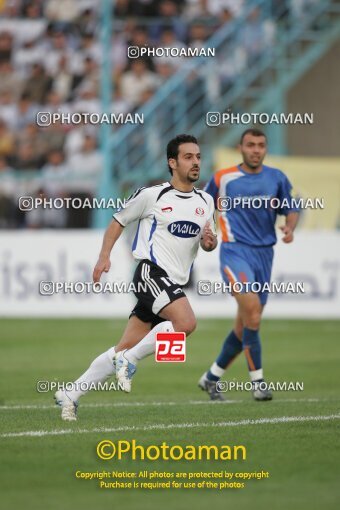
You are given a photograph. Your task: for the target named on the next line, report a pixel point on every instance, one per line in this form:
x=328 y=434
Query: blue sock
x=252 y=349
x=231 y=348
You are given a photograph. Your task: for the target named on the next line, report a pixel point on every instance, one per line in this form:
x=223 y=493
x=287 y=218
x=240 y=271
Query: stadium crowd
x=50 y=57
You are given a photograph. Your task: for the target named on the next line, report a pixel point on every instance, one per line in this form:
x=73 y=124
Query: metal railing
x=241 y=76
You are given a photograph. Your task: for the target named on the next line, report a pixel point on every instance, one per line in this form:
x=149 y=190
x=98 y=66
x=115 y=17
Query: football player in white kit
x=174 y=219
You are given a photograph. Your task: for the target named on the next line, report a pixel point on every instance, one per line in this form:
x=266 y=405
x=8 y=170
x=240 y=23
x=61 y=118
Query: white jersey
x=170 y=226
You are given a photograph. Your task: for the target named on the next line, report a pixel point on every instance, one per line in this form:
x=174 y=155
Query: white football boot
x=124 y=371
x=68 y=407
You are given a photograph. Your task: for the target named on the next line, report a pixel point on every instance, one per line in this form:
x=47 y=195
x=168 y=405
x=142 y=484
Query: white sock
x=216 y=370
x=148 y=344
x=255 y=375
x=100 y=369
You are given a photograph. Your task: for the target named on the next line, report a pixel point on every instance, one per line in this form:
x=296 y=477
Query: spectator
x=62 y=10
x=54 y=103
x=28 y=29
x=140 y=38
x=164 y=71
x=60 y=47
x=6 y=140
x=119 y=53
x=30 y=135
x=8 y=109
x=216 y=7
x=231 y=67
x=148 y=8
x=169 y=8
x=10 y=80
x=6 y=46
x=25 y=159
x=86 y=22
x=199 y=9
x=90 y=47
x=125 y=8
x=169 y=12
x=146 y=96
x=198 y=34
x=256 y=35
x=36 y=218
x=53 y=137
x=54 y=185
x=7 y=194
x=86 y=100
x=119 y=105
x=11 y=9
x=85 y=168
x=90 y=78
x=136 y=81
x=76 y=136
x=31 y=52
x=26 y=112
x=32 y=10
x=168 y=40
x=225 y=17
x=299 y=7
x=54 y=174
x=64 y=81
x=38 y=84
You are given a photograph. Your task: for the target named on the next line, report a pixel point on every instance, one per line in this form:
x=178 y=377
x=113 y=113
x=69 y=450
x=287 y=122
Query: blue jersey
x=251 y=202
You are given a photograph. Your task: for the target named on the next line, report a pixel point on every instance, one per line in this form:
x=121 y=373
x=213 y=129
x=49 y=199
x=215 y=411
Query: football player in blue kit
x=246 y=251
x=173 y=220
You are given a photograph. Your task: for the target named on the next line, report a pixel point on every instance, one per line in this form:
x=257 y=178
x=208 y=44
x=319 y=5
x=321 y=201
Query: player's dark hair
x=252 y=131
x=173 y=146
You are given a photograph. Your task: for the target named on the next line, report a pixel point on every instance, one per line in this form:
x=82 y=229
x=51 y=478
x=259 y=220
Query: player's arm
x=111 y=235
x=209 y=238
x=136 y=207
x=291 y=212
x=292 y=219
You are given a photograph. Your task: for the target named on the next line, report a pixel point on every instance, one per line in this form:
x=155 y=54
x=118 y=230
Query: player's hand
x=208 y=239
x=103 y=266
x=288 y=234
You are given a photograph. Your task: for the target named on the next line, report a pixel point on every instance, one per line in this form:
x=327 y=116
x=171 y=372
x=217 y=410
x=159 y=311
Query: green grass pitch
x=37 y=473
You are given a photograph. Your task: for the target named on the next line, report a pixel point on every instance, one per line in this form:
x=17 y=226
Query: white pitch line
x=156 y=404
x=165 y=426
x=123 y=404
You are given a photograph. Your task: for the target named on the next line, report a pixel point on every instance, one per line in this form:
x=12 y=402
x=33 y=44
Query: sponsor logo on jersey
x=167 y=209
x=199 y=211
x=184 y=229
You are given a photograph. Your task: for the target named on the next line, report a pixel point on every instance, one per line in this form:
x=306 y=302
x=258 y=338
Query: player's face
x=253 y=150
x=188 y=163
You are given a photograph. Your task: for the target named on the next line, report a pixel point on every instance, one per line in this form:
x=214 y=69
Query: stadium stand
x=50 y=58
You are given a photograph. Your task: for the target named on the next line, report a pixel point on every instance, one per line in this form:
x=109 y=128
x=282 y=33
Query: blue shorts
x=242 y=263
